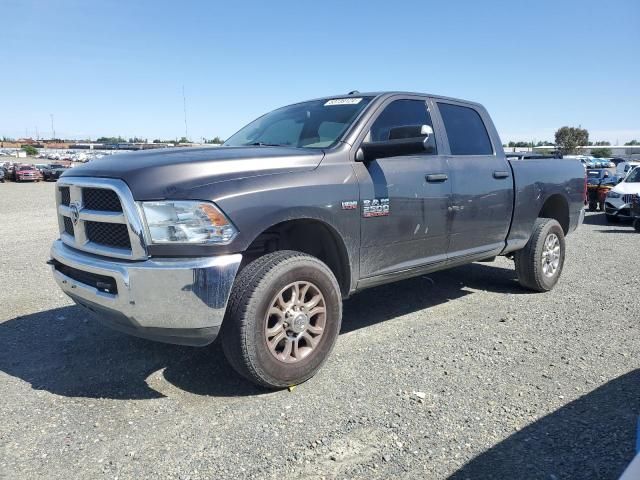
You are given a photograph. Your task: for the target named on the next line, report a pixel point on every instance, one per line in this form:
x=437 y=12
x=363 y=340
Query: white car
x=617 y=205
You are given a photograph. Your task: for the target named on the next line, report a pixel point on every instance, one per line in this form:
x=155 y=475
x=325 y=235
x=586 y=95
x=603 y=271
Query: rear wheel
x=539 y=264
x=283 y=319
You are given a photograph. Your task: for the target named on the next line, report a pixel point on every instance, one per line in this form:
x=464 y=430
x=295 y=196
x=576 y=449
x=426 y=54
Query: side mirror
x=405 y=140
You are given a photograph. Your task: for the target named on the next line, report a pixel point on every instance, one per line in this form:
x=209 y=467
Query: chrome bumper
x=174 y=300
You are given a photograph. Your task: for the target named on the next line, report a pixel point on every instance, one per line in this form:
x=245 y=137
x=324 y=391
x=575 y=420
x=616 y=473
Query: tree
x=601 y=152
x=214 y=140
x=568 y=139
x=632 y=143
x=184 y=140
x=602 y=144
x=30 y=150
x=117 y=139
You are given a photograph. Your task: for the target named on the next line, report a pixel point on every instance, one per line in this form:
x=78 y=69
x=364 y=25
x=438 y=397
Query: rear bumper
x=174 y=300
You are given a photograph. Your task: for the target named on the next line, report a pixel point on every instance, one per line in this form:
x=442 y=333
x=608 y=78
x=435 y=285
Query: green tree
x=601 y=152
x=568 y=139
x=184 y=140
x=30 y=150
x=117 y=139
x=632 y=143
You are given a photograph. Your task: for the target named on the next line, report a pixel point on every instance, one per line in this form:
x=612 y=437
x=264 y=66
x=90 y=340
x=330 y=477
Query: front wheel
x=283 y=318
x=539 y=264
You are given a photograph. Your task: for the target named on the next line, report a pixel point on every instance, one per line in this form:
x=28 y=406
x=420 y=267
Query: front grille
x=101 y=199
x=68 y=226
x=110 y=234
x=65 y=196
x=628 y=198
x=99 y=282
x=105 y=220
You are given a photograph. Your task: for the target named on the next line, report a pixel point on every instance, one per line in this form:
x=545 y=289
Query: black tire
x=242 y=333
x=529 y=260
x=612 y=218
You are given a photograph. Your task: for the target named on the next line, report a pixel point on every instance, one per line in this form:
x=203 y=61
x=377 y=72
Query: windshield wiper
x=263 y=144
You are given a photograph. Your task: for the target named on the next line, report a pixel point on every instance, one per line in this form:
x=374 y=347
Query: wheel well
x=308 y=236
x=556 y=207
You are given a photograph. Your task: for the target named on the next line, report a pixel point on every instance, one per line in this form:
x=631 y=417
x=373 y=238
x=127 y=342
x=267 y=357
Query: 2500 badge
x=378 y=207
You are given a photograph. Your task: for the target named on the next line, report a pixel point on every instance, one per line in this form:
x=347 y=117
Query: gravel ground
x=461 y=373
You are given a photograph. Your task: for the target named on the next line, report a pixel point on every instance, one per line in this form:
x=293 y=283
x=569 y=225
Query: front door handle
x=437 y=177
x=500 y=174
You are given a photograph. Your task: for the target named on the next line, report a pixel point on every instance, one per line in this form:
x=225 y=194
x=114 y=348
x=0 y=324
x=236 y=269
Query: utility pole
x=184 y=106
x=53 y=130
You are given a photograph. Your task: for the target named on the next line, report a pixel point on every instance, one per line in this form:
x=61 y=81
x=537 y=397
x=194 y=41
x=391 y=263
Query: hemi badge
x=350 y=205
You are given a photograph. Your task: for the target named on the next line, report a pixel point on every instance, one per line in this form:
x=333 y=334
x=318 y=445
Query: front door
x=403 y=199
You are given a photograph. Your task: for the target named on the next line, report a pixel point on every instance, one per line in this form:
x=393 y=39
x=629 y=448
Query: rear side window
x=465 y=129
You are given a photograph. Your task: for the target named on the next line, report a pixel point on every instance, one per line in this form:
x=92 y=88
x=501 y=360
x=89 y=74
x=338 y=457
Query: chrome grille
x=628 y=198
x=100 y=216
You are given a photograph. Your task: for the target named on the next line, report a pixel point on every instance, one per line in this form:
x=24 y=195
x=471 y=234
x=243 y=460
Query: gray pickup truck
x=260 y=240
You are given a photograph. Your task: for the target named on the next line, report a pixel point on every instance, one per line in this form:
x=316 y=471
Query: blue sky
x=118 y=67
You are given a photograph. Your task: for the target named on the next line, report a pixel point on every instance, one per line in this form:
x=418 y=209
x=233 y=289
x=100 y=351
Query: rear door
x=482 y=183
x=403 y=199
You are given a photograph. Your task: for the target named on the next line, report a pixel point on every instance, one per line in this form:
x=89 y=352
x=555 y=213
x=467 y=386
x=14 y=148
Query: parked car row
x=25 y=172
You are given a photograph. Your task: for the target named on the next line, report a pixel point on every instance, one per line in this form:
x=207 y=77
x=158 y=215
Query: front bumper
x=617 y=208
x=174 y=300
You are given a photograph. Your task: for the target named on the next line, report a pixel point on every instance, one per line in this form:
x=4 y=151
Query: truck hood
x=166 y=173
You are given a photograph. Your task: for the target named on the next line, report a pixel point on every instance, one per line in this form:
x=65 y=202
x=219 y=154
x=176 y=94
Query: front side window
x=634 y=176
x=401 y=120
x=465 y=130
x=315 y=124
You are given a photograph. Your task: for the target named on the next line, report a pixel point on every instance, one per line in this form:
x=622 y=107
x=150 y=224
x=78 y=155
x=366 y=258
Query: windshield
x=634 y=176
x=315 y=124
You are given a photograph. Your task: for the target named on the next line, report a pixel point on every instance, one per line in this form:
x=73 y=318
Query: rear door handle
x=500 y=174
x=437 y=177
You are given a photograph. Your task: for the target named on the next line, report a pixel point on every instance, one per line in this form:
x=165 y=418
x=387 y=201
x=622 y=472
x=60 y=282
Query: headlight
x=180 y=221
x=613 y=194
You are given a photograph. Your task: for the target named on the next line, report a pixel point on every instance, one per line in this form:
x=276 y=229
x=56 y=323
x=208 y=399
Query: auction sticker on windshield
x=343 y=101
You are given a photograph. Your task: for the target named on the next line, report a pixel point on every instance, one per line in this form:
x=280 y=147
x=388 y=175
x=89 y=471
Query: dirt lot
x=461 y=373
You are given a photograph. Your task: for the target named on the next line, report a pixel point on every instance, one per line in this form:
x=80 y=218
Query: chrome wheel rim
x=295 y=322
x=551 y=255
